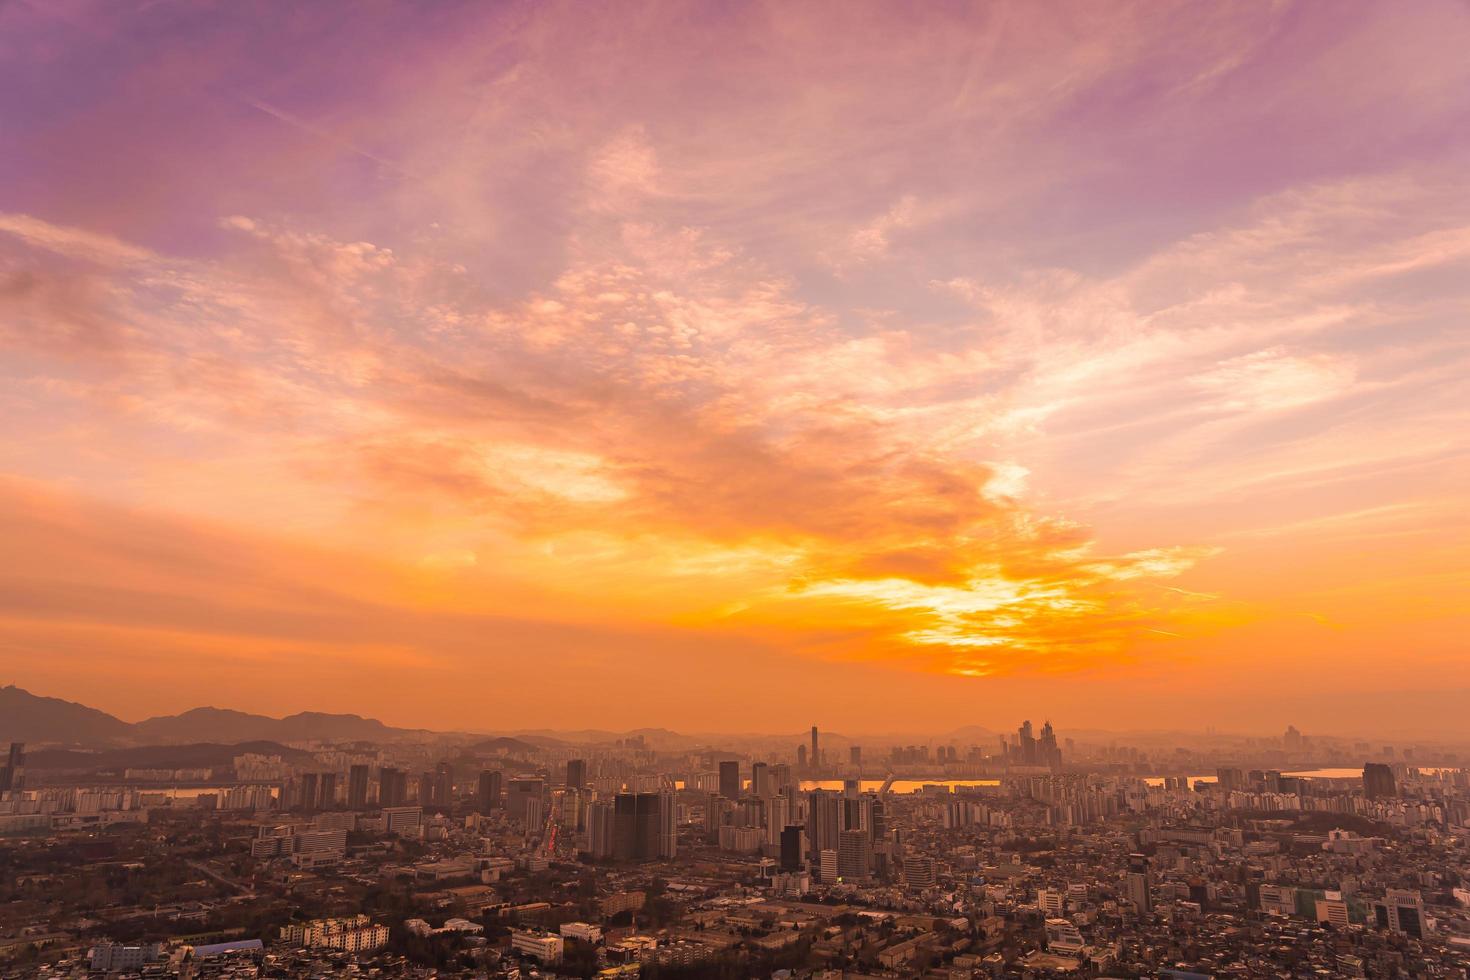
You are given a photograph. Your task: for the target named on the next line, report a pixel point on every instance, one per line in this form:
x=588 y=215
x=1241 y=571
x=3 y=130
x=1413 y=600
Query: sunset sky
x=735 y=367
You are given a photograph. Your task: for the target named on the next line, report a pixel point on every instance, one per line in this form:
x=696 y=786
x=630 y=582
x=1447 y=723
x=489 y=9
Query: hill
x=27 y=717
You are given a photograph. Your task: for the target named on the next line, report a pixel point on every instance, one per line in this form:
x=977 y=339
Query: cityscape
x=734 y=489
x=1019 y=854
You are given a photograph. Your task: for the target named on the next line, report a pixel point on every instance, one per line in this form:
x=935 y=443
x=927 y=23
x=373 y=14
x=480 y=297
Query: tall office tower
x=488 y=797
x=850 y=788
x=576 y=773
x=643 y=827
x=444 y=785
x=1026 y=744
x=426 y=789
x=523 y=800
x=327 y=790
x=1292 y=741
x=791 y=848
x=600 y=828
x=760 y=780
x=781 y=779
x=1230 y=780
x=357 y=787
x=877 y=826
x=824 y=821
x=777 y=816
x=1138 y=888
x=392 y=787
x=1378 y=781
x=730 y=780
x=718 y=812
x=816 y=752
x=801 y=761
x=854 y=854
x=1048 y=754
x=308 y=791
x=855 y=757
x=13 y=773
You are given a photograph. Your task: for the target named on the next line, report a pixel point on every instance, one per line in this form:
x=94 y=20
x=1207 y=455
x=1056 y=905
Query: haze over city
x=488 y=367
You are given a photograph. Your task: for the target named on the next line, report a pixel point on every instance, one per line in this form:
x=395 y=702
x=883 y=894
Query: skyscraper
x=816 y=756
x=824 y=821
x=1378 y=781
x=357 y=787
x=576 y=773
x=791 y=848
x=308 y=789
x=801 y=758
x=488 y=797
x=392 y=787
x=854 y=854
x=327 y=790
x=730 y=780
x=643 y=827
x=760 y=780
x=523 y=800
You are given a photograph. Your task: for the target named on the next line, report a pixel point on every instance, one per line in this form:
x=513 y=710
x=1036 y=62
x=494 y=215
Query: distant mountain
x=504 y=744
x=26 y=717
x=226 y=725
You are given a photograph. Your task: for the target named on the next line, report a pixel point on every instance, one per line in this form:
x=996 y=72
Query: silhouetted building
x=392 y=787
x=643 y=827
x=1378 y=781
x=357 y=787
x=523 y=801
x=730 y=780
x=488 y=796
x=576 y=773
x=791 y=849
x=13 y=773
x=327 y=791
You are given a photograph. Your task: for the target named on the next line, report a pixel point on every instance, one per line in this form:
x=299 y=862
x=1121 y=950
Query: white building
x=586 y=932
x=545 y=947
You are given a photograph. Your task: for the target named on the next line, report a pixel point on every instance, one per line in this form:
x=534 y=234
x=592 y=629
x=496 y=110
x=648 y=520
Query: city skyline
x=672 y=365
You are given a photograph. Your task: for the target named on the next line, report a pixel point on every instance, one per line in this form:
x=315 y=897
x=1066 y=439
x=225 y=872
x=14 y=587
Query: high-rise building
x=392 y=787
x=760 y=780
x=1378 y=781
x=644 y=827
x=816 y=756
x=791 y=848
x=327 y=790
x=523 y=800
x=488 y=797
x=730 y=780
x=824 y=821
x=13 y=773
x=357 y=787
x=600 y=829
x=443 y=790
x=308 y=789
x=1138 y=888
x=801 y=760
x=576 y=773
x=855 y=757
x=854 y=854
